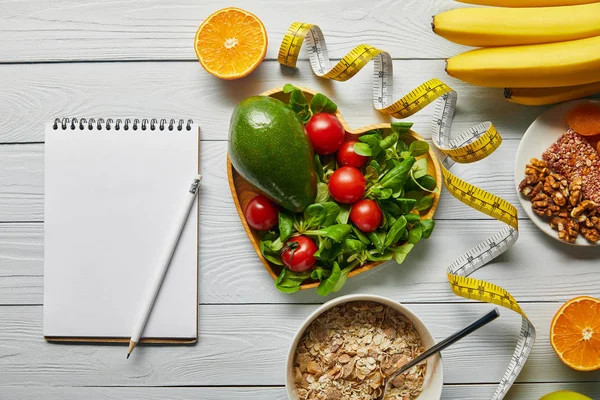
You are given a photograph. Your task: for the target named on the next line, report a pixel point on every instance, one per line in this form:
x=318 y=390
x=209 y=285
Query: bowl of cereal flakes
x=350 y=345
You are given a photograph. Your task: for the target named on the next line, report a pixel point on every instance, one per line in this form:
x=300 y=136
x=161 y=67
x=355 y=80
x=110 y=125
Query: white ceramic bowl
x=434 y=376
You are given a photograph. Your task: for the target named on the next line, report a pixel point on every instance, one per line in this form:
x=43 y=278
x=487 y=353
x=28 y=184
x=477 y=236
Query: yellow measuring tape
x=473 y=145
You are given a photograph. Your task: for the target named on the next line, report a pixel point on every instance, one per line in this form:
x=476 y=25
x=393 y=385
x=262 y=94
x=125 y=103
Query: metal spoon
x=486 y=319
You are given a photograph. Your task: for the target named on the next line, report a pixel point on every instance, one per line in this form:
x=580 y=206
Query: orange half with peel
x=231 y=43
x=575 y=333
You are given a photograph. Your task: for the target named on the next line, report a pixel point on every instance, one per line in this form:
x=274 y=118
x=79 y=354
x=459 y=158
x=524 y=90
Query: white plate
x=544 y=131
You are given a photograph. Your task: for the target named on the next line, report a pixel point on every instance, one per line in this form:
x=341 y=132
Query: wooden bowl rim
x=354 y=132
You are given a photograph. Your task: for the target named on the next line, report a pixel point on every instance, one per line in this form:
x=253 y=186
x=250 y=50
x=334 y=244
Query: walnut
x=525 y=187
x=532 y=176
x=575 y=191
x=555 y=186
x=559 y=199
x=593 y=222
x=572 y=228
x=568 y=229
x=536 y=170
x=556 y=221
x=540 y=164
x=535 y=173
x=586 y=205
x=553 y=182
x=590 y=228
x=564 y=190
x=591 y=234
x=531 y=191
x=544 y=205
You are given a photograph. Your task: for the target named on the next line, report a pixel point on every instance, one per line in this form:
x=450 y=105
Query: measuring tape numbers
x=471 y=146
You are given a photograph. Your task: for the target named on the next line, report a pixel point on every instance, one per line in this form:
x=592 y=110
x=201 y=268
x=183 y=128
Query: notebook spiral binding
x=125 y=124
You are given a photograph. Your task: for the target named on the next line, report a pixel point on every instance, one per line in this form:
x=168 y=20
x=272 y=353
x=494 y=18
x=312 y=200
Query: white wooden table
x=104 y=58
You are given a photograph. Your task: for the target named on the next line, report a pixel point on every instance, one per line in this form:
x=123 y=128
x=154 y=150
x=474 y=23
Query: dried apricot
x=585 y=119
x=594 y=141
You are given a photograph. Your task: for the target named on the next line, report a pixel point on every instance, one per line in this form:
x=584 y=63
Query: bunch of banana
x=541 y=51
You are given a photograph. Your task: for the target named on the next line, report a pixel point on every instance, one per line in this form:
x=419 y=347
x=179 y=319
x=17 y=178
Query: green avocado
x=269 y=148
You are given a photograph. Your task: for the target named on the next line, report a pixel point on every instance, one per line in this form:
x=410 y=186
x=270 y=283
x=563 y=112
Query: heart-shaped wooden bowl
x=243 y=192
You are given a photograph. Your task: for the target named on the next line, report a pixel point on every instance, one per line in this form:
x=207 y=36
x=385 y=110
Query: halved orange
x=231 y=43
x=575 y=333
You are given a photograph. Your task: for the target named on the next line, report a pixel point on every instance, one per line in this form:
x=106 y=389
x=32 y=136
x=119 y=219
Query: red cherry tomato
x=347 y=156
x=298 y=254
x=261 y=213
x=326 y=133
x=347 y=185
x=366 y=215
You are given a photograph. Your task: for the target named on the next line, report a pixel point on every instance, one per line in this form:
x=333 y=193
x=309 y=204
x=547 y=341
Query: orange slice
x=575 y=333
x=231 y=43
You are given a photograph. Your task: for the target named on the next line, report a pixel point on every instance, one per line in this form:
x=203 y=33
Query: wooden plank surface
x=33 y=94
x=245 y=324
x=248 y=344
x=22 y=188
x=450 y=392
x=68 y=30
x=536 y=269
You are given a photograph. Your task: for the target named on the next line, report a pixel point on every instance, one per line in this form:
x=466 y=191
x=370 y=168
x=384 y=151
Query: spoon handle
x=486 y=319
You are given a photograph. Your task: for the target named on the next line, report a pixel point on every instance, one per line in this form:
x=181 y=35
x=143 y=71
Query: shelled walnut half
x=535 y=173
x=568 y=228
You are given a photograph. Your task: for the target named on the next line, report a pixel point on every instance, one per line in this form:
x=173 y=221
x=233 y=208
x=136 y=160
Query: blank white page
x=111 y=198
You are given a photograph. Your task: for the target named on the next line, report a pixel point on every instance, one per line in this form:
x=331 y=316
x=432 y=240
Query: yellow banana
x=485 y=27
x=575 y=62
x=541 y=96
x=528 y=3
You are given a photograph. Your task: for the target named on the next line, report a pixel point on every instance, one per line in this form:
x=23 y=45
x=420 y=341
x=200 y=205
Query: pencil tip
x=131 y=347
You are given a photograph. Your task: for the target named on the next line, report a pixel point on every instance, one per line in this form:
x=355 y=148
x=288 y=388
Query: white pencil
x=163 y=264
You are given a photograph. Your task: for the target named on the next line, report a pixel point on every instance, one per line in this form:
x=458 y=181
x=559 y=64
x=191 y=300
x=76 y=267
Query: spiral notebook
x=112 y=189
